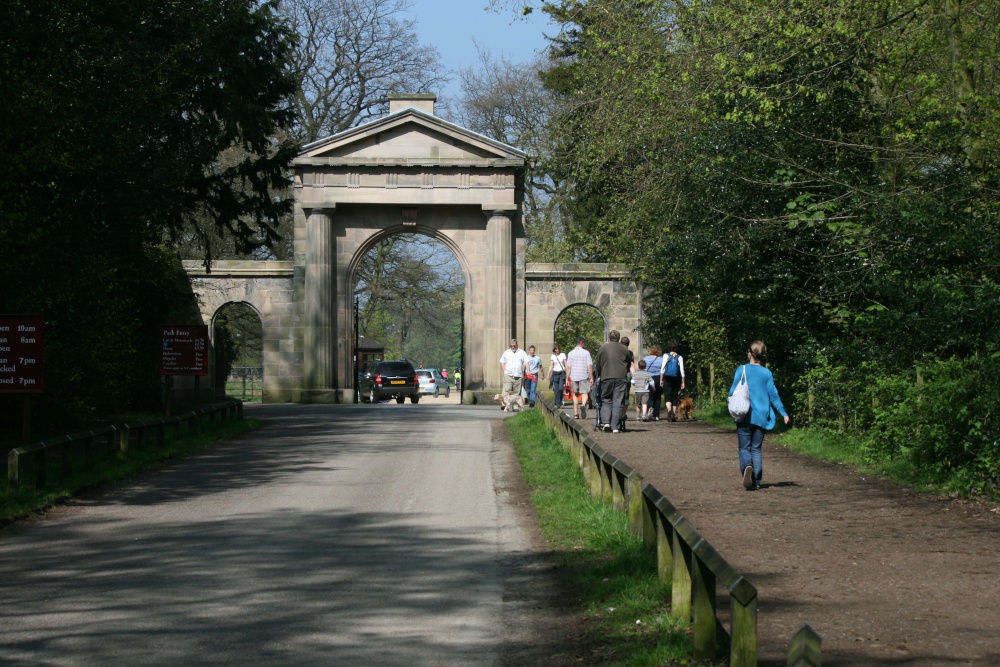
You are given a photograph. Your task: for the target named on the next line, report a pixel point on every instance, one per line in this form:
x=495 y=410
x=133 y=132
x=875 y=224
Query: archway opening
x=409 y=290
x=239 y=352
x=580 y=320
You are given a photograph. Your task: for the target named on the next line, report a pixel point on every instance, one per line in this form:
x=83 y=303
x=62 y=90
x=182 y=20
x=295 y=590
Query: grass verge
x=622 y=601
x=25 y=501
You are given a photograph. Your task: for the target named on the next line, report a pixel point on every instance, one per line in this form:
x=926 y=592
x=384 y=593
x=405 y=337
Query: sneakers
x=615 y=431
x=607 y=428
x=583 y=411
x=748 y=482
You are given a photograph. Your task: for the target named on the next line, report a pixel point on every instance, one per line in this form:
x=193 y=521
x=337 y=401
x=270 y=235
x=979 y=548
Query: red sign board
x=21 y=354
x=184 y=350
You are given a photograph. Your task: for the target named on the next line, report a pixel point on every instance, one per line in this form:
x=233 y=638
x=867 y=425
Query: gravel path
x=885 y=575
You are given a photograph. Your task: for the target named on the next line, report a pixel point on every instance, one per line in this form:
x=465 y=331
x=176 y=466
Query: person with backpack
x=672 y=379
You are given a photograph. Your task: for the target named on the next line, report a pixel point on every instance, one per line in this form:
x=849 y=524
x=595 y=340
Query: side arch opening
x=237 y=341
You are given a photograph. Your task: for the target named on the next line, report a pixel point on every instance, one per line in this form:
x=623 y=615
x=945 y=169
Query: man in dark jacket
x=612 y=367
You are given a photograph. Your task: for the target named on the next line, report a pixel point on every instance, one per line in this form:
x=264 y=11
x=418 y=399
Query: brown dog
x=685 y=408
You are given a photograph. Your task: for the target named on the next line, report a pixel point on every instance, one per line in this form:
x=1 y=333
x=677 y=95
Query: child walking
x=640 y=386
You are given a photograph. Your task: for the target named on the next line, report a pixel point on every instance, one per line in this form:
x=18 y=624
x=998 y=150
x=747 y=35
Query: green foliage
x=115 y=119
x=820 y=176
x=577 y=321
x=939 y=419
x=945 y=424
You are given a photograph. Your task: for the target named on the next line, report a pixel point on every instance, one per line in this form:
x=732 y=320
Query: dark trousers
x=654 y=397
x=612 y=398
x=556 y=380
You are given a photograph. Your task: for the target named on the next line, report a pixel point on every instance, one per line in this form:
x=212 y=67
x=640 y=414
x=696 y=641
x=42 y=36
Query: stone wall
x=552 y=288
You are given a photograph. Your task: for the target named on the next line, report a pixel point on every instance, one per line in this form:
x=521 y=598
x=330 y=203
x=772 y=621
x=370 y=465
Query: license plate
x=397 y=382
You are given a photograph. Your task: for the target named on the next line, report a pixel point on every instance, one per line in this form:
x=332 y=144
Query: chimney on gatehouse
x=420 y=101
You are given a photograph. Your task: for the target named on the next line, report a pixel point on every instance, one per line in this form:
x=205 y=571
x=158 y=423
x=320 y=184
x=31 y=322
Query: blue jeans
x=530 y=386
x=750 y=439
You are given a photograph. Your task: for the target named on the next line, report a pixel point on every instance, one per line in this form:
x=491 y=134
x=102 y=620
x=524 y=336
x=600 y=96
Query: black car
x=394 y=378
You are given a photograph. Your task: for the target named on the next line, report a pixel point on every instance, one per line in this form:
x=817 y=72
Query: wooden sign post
x=184 y=351
x=21 y=370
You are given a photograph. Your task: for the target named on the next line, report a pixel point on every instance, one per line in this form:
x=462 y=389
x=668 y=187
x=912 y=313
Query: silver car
x=432 y=383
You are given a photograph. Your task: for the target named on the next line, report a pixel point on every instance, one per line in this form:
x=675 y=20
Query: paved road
x=336 y=535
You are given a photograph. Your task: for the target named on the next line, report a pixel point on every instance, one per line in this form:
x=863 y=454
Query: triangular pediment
x=410 y=136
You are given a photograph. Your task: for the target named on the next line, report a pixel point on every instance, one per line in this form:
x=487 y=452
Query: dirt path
x=886 y=576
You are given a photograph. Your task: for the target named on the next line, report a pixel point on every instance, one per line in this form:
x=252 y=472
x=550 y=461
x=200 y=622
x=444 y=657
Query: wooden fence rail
x=85 y=449
x=685 y=559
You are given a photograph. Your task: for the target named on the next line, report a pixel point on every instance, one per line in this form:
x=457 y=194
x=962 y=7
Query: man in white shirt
x=580 y=366
x=513 y=362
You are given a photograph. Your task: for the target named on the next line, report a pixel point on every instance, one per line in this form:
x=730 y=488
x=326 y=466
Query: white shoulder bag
x=739 y=402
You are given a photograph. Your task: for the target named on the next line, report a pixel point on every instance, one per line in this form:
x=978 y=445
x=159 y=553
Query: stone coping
x=230 y=268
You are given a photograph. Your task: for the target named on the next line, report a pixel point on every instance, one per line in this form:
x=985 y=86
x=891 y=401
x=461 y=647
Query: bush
x=939 y=419
x=835 y=397
x=944 y=422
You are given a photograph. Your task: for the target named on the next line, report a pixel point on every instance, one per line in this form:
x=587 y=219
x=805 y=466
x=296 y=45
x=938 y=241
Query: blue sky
x=454 y=27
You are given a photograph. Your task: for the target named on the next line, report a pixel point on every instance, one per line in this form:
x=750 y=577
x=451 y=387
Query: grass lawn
x=624 y=605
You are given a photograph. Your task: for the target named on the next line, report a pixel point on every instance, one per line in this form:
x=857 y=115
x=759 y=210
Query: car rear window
x=424 y=374
x=397 y=368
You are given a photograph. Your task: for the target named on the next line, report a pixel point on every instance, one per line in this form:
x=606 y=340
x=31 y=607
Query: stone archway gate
x=409 y=172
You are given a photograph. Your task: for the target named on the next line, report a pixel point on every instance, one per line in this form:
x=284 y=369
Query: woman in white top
x=557 y=374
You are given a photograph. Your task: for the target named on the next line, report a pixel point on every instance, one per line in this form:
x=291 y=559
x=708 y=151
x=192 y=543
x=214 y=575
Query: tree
x=508 y=102
x=349 y=56
x=580 y=321
x=115 y=117
x=823 y=176
x=410 y=289
x=352 y=55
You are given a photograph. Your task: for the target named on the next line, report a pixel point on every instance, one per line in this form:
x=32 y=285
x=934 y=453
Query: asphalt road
x=369 y=535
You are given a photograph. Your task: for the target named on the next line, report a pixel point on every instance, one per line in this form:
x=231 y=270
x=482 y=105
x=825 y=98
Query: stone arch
x=552 y=288
x=268 y=288
x=409 y=171
x=215 y=315
x=431 y=232
x=580 y=304
x=215 y=371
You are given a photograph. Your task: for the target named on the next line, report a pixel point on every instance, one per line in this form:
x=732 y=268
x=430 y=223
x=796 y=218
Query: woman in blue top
x=750 y=432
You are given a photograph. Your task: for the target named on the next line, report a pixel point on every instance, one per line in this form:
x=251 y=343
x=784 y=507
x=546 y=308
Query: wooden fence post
x=41 y=478
x=680 y=599
x=664 y=548
x=635 y=503
x=743 y=622
x=124 y=433
x=805 y=648
x=13 y=469
x=703 y=600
